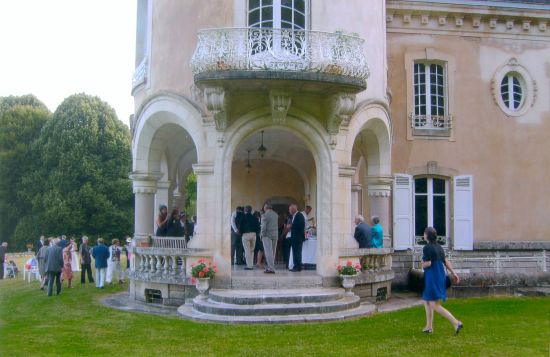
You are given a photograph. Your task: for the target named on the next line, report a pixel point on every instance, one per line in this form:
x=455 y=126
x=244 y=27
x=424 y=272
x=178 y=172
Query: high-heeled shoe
x=458 y=328
x=427 y=331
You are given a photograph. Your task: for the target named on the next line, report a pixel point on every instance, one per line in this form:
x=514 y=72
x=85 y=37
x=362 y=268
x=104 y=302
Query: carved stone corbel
x=215 y=100
x=280 y=103
x=340 y=108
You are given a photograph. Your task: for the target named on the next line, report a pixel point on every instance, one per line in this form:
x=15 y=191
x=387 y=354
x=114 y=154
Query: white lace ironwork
x=140 y=73
x=268 y=49
x=431 y=122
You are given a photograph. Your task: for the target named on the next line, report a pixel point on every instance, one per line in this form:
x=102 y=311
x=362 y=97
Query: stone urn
x=348 y=282
x=202 y=285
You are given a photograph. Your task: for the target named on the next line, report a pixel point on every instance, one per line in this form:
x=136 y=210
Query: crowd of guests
x=368 y=236
x=177 y=224
x=256 y=235
x=59 y=258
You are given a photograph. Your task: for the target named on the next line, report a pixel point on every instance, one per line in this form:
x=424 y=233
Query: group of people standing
x=256 y=235
x=368 y=236
x=59 y=258
x=177 y=224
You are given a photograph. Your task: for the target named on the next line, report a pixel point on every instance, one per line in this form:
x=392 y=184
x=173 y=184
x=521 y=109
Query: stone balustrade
x=166 y=261
x=371 y=259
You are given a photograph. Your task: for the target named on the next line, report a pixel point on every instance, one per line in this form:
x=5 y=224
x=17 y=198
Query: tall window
x=281 y=14
x=430 y=205
x=511 y=91
x=429 y=89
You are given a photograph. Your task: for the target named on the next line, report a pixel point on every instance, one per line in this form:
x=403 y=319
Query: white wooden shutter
x=402 y=212
x=463 y=234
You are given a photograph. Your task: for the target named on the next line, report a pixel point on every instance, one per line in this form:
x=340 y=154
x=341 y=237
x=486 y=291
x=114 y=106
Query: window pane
x=252 y=4
x=439 y=215
x=299 y=21
x=421 y=185
x=438 y=185
x=267 y=2
x=267 y=13
x=420 y=214
x=287 y=3
x=253 y=18
x=286 y=14
x=300 y=5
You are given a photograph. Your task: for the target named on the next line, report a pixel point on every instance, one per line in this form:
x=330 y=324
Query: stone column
x=379 y=191
x=162 y=197
x=356 y=201
x=145 y=187
x=346 y=200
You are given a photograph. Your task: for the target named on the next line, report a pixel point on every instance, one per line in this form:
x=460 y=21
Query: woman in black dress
x=162 y=221
x=434 y=263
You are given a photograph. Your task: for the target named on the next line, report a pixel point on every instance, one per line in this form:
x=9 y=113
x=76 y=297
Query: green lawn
x=76 y=324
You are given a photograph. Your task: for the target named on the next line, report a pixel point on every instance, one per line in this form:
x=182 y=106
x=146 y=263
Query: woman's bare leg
x=436 y=305
x=429 y=316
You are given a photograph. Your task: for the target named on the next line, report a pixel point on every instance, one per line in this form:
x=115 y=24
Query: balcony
x=431 y=125
x=256 y=58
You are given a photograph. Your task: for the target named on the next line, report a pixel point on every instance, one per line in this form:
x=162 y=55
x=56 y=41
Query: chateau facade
x=424 y=113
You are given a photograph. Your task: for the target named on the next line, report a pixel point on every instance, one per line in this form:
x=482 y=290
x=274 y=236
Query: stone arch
x=314 y=137
x=168 y=115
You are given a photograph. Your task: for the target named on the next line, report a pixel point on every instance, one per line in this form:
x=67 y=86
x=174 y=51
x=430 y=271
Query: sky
x=56 y=48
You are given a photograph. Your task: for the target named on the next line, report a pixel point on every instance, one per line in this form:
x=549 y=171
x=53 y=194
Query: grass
x=76 y=324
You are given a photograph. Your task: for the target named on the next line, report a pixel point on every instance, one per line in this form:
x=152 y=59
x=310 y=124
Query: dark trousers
x=86 y=268
x=51 y=277
x=297 y=253
x=237 y=248
x=286 y=250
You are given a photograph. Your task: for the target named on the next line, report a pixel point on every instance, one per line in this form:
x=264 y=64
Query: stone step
x=189 y=312
x=275 y=296
x=217 y=308
x=276 y=281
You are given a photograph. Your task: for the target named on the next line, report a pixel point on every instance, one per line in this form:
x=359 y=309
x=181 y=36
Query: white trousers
x=249 y=242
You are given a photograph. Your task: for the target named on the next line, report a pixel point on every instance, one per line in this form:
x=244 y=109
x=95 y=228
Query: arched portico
x=369 y=144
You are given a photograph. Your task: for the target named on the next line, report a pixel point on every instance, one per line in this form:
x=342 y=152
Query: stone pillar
x=356 y=201
x=145 y=187
x=379 y=191
x=346 y=203
x=162 y=197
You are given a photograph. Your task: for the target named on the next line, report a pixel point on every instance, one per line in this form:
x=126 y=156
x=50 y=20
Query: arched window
x=511 y=91
x=280 y=14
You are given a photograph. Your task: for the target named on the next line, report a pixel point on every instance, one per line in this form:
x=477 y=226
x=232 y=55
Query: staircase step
x=275 y=296
x=276 y=281
x=189 y=312
x=212 y=307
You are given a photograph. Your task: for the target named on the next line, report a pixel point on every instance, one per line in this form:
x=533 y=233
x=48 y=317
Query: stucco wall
x=267 y=179
x=508 y=157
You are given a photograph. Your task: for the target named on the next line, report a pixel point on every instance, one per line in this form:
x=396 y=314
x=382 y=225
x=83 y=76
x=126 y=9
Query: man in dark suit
x=297 y=236
x=53 y=263
x=3 y=248
x=362 y=233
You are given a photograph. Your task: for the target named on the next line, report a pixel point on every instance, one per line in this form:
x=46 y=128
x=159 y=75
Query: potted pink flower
x=348 y=273
x=202 y=271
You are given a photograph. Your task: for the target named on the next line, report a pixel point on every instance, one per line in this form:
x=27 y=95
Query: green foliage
x=349 y=268
x=191 y=192
x=203 y=269
x=80 y=185
x=21 y=120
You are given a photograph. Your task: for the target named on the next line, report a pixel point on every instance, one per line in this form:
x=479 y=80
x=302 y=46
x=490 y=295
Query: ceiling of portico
x=173 y=141
x=281 y=145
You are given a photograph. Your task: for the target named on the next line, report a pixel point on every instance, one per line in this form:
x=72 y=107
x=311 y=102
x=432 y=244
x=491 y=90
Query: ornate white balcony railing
x=140 y=74
x=431 y=122
x=267 y=49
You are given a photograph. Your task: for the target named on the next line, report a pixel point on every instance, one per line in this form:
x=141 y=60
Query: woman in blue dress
x=434 y=263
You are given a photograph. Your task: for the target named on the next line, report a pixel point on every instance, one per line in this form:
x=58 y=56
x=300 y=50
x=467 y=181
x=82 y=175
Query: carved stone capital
x=215 y=100
x=379 y=186
x=144 y=182
x=203 y=168
x=280 y=103
x=346 y=171
x=355 y=187
x=340 y=108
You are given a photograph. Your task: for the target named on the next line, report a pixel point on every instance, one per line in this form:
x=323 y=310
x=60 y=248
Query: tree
x=82 y=184
x=21 y=119
x=191 y=194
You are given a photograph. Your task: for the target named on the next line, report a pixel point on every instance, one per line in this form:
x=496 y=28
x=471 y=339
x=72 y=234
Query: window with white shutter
x=463 y=235
x=402 y=212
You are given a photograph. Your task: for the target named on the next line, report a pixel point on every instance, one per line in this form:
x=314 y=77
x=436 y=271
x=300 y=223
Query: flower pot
x=202 y=285
x=348 y=282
